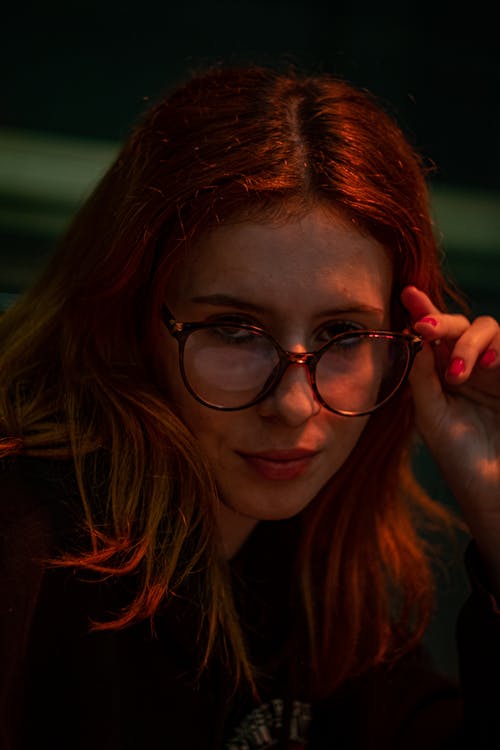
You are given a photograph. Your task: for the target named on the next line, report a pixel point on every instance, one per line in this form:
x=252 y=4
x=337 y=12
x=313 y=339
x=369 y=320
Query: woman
x=211 y=525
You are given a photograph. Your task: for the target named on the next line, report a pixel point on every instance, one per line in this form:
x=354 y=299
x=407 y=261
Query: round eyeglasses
x=232 y=366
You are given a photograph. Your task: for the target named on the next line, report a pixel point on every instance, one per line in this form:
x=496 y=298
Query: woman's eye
x=231 y=321
x=336 y=327
x=230 y=331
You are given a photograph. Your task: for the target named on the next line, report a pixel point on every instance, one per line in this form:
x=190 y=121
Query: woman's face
x=294 y=280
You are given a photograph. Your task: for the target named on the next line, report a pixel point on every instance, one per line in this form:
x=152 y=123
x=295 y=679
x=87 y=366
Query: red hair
x=79 y=360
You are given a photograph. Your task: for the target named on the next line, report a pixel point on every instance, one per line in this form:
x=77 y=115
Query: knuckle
x=486 y=321
x=457 y=322
x=466 y=349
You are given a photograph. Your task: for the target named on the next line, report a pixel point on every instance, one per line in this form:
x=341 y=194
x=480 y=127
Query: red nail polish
x=456 y=367
x=430 y=321
x=488 y=358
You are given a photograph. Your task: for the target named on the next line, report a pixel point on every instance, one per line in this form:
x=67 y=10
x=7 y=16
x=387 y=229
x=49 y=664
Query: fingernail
x=488 y=358
x=456 y=367
x=430 y=321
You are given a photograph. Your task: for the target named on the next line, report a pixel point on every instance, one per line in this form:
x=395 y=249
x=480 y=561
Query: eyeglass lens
x=230 y=367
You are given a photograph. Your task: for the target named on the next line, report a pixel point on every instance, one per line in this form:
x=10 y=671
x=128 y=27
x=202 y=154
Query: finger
x=490 y=358
x=417 y=303
x=428 y=320
x=459 y=345
x=427 y=391
x=479 y=341
x=442 y=326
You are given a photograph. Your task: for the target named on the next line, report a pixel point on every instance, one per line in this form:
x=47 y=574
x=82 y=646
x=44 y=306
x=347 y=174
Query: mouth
x=279 y=465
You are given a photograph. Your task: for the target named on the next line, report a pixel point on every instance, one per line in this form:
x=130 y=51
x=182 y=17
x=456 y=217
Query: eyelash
x=340 y=326
x=235 y=320
x=336 y=326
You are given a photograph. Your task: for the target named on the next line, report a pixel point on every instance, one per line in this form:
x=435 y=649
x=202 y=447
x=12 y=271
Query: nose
x=293 y=399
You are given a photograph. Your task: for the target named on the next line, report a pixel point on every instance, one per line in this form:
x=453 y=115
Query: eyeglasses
x=232 y=366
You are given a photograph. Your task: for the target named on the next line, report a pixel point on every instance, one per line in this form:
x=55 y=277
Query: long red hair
x=78 y=360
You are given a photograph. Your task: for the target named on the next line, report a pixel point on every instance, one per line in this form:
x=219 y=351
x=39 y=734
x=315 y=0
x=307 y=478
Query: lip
x=280 y=465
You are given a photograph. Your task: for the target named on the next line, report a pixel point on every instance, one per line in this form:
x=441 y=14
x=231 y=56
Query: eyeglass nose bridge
x=300 y=358
x=309 y=359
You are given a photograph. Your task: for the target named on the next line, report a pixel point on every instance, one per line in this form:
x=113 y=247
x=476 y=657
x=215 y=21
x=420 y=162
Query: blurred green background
x=77 y=74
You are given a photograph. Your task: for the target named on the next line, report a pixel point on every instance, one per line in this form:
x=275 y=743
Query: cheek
x=343 y=436
x=207 y=425
x=213 y=433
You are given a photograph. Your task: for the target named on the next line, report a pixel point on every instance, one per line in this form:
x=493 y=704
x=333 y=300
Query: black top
x=62 y=686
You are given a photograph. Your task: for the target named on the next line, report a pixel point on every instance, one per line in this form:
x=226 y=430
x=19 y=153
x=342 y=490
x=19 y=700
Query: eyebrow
x=227 y=300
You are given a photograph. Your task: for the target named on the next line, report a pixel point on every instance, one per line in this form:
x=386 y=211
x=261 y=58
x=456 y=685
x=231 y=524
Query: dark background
x=83 y=71
x=86 y=68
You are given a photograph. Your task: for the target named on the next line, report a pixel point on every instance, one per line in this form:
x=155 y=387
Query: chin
x=271 y=506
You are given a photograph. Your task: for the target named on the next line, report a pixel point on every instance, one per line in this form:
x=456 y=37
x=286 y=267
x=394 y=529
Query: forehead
x=319 y=255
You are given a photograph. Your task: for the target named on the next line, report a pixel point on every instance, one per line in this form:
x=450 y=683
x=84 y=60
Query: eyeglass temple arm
x=169 y=320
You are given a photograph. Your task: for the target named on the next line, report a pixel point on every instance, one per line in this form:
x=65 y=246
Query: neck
x=234 y=529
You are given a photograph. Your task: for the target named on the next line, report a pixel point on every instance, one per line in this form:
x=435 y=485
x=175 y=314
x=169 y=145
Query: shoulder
x=32 y=511
x=35 y=498
x=25 y=476
x=38 y=512
x=407 y=704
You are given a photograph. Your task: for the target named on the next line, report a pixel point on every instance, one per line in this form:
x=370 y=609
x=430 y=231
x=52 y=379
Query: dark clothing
x=62 y=686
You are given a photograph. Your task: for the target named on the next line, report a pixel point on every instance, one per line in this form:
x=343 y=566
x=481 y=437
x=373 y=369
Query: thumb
x=427 y=390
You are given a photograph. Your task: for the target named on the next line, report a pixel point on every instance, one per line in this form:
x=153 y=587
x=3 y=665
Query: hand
x=455 y=383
